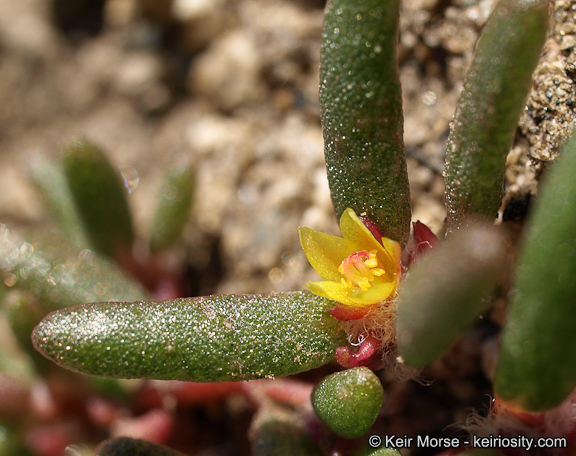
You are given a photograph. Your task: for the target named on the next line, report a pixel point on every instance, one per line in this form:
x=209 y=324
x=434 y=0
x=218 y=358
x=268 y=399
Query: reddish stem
x=368 y=355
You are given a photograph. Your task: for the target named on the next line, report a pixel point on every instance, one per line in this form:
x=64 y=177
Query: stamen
x=360 y=269
x=372 y=262
x=365 y=284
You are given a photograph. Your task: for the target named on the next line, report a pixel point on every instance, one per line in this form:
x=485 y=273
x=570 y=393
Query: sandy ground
x=233 y=86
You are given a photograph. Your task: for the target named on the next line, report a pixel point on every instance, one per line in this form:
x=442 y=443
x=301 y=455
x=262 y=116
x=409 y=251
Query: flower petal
x=360 y=238
x=331 y=290
x=395 y=253
x=352 y=276
x=324 y=252
x=377 y=293
x=356 y=233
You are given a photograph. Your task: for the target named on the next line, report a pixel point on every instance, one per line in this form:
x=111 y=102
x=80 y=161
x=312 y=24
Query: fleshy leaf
x=11 y=441
x=537 y=367
x=279 y=432
x=492 y=100
x=446 y=290
x=100 y=199
x=349 y=402
x=50 y=181
x=126 y=446
x=23 y=312
x=173 y=207
x=362 y=117
x=59 y=275
x=207 y=339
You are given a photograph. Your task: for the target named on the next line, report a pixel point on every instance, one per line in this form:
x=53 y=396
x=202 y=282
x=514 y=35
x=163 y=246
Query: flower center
x=360 y=269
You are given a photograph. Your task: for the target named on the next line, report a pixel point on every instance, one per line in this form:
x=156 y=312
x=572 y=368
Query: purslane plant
x=382 y=285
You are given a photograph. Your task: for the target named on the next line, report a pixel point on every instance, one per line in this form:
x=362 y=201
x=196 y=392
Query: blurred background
x=231 y=85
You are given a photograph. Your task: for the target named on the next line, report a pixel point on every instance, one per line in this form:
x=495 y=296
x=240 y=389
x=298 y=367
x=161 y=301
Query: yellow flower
x=358 y=269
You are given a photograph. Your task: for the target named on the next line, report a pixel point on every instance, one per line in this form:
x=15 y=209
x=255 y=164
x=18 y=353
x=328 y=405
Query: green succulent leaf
x=126 y=446
x=207 y=339
x=23 y=312
x=100 y=199
x=537 y=367
x=362 y=117
x=489 y=108
x=59 y=275
x=446 y=290
x=49 y=179
x=12 y=441
x=173 y=207
x=278 y=432
x=349 y=402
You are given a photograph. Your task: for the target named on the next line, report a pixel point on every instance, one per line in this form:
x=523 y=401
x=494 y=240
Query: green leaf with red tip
x=100 y=199
x=173 y=207
x=537 y=366
x=349 y=402
x=207 y=339
x=362 y=117
x=446 y=290
x=489 y=108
